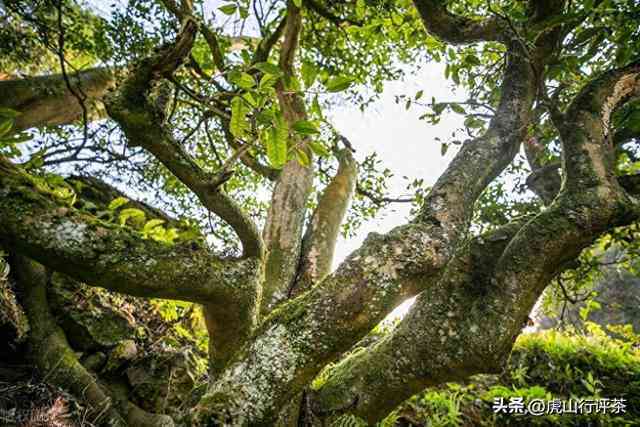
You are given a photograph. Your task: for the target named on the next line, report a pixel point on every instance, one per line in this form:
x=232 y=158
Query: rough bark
x=288 y=209
x=58 y=363
x=115 y=257
x=456 y=29
x=319 y=242
x=47 y=101
x=467 y=323
x=473 y=293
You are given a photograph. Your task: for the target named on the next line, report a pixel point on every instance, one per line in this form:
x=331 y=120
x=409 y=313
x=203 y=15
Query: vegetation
x=220 y=119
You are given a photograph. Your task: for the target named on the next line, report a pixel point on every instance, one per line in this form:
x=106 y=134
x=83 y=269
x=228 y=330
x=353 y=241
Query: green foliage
x=548 y=365
x=9 y=139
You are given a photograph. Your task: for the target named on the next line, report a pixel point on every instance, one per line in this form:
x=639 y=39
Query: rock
x=95 y=362
x=124 y=352
x=91 y=321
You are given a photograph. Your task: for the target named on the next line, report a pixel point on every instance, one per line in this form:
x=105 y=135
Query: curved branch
x=143 y=124
x=47 y=100
x=110 y=256
x=447 y=326
x=456 y=29
x=383 y=272
x=450 y=202
x=50 y=350
x=57 y=361
x=443 y=338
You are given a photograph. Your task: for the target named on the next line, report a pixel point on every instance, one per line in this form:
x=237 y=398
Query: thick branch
x=456 y=29
x=450 y=202
x=322 y=232
x=58 y=363
x=110 y=256
x=285 y=219
x=445 y=336
x=47 y=101
x=444 y=346
x=384 y=272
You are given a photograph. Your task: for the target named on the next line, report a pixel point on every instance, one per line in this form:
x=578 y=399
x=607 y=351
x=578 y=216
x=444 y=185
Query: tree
x=560 y=79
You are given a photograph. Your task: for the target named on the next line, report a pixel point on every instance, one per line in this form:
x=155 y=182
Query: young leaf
x=302 y=157
x=298 y=3
x=338 y=84
x=151 y=224
x=305 y=127
x=136 y=216
x=117 y=202
x=268 y=68
x=228 y=9
x=238 y=125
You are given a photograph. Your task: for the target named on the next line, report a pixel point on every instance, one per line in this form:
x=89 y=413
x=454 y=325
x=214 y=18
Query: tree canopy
x=218 y=116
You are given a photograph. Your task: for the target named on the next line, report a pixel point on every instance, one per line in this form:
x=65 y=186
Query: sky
x=405 y=144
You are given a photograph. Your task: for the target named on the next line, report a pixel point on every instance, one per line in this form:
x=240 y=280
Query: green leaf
x=5 y=126
x=298 y=3
x=418 y=95
x=267 y=81
x=265 y=117
x=315 y=107
x=309 y=73
x=318 y=148
x=238 y=125
x=457 y=108
x=360 y=8
x=474 y=123
x=244 y=80
x=438 y=108
x=338 y=84
x=16 y=139
x=65 y=194
x=136 y=216
x=250 y=99
x=302 y=157
x=151 y=224
x=443 y=149
x=228 y=9
x=305 y=127
x=9 y=112
x=268 y=68
x=276 y=141
x=117 y=202
x=472 y=60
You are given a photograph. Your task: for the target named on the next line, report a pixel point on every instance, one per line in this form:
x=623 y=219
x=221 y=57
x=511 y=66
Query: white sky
x=405 y=144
